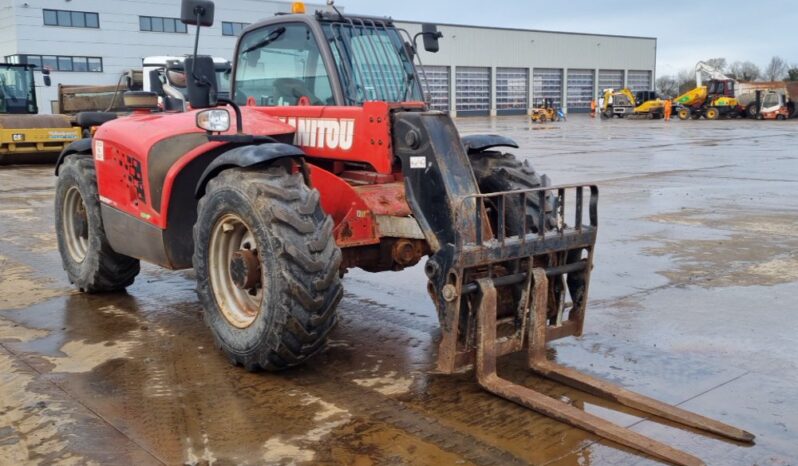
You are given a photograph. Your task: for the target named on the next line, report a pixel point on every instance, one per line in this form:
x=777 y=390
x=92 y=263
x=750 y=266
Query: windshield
x=16 y=90
x=281 y=65
x=372 y=62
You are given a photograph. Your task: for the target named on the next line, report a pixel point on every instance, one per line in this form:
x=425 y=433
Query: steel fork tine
x=536 y=401
x=567 y=376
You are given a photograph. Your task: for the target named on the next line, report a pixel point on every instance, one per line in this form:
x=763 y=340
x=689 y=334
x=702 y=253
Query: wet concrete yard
x=693 y=301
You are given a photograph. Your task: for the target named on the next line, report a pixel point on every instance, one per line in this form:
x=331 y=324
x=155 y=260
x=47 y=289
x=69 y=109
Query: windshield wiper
x=273 y=36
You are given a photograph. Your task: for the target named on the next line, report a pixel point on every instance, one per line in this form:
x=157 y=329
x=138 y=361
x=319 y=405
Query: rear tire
x=281 y=314
x=712 y=114
x=88 y=259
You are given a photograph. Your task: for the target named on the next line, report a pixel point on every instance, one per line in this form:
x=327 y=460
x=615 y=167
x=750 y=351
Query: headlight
x=215 y=120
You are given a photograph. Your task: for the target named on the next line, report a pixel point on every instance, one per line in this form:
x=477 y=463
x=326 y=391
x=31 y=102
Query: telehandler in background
x=326 y=158
x=24 y=134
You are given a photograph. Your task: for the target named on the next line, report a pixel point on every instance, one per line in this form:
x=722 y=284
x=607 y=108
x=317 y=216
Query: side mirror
x=197 y=12
x=156 y=85
x=46 y=77
x=201 y=81
x=431 y=36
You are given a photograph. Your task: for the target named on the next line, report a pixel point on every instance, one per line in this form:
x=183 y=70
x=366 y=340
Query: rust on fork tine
x=489 y=379
x=565 y=375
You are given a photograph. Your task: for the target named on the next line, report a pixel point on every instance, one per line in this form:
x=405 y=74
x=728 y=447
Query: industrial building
x=486 y=70
x=478 y=71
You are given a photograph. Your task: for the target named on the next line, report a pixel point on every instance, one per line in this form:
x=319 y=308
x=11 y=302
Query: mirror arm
x=237 y=110
x=438 y=35
x=199 y=12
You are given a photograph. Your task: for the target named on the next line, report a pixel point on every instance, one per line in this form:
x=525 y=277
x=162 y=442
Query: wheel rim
x=75 y=225
x=238 y=292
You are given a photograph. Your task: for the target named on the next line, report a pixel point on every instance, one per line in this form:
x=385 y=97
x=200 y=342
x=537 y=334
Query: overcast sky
x=687 y=30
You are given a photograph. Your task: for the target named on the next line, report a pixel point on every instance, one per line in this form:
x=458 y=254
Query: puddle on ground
x=20 y=287
x=759 y=249
x=37 y=421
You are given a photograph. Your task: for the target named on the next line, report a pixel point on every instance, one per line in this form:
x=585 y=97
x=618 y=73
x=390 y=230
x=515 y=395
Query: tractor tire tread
x=103 y=269
x=500 y=171
x=309 y=261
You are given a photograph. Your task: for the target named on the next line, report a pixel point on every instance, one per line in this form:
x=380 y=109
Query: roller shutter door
x=436 y=85
x=639 y=81
x=610 y=79
x=547 y=84
x=472 y=85
x=512 y=91
x=580 y=90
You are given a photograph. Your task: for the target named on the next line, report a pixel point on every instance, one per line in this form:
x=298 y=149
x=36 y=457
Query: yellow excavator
x=23 y=131
x=642 y=105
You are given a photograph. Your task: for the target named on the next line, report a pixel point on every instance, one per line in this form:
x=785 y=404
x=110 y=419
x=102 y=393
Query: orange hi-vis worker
x=593 y=108
x=668 y=109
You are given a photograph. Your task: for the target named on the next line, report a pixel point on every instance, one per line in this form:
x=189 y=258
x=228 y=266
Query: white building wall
x=514 y=48
x=8 y=28
x=121 y=44
x=118 y=41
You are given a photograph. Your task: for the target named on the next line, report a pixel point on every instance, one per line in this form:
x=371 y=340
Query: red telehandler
x=324 y=158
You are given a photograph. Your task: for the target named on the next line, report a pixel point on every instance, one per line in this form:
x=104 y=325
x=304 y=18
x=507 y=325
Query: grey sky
x=687 y=31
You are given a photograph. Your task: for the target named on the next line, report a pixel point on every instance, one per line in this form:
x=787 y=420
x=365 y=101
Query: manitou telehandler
x=325 y=158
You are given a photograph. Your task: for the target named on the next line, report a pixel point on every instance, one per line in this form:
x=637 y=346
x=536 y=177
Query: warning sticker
x=418 y=162
x=99 y=151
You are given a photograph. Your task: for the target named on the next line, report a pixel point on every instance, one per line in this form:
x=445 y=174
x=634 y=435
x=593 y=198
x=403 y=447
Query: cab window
x=281 y=66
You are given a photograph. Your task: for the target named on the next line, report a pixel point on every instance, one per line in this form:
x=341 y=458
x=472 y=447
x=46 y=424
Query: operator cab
x=326 y=59
x=719 y=87
x=18 y=89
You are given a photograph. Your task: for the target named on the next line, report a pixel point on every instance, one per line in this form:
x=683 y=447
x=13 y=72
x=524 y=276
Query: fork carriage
x=550 y=272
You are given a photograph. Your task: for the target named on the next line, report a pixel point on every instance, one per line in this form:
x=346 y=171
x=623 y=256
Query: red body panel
x=355 y=224
x=337 y=134
x=121 y=148
x=363 y=133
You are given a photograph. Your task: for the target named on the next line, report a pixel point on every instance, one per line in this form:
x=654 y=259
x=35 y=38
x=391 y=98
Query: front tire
x=267 y=267
x=89 y=261
x=496 y=172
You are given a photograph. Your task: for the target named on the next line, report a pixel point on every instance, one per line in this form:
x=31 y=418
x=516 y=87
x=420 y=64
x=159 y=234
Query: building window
x=158 y=24
x=71 y=19
x=60 y=62
x=232 y=29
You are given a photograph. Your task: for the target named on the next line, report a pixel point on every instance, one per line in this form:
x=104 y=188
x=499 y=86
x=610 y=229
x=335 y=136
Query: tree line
x=776 y=70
